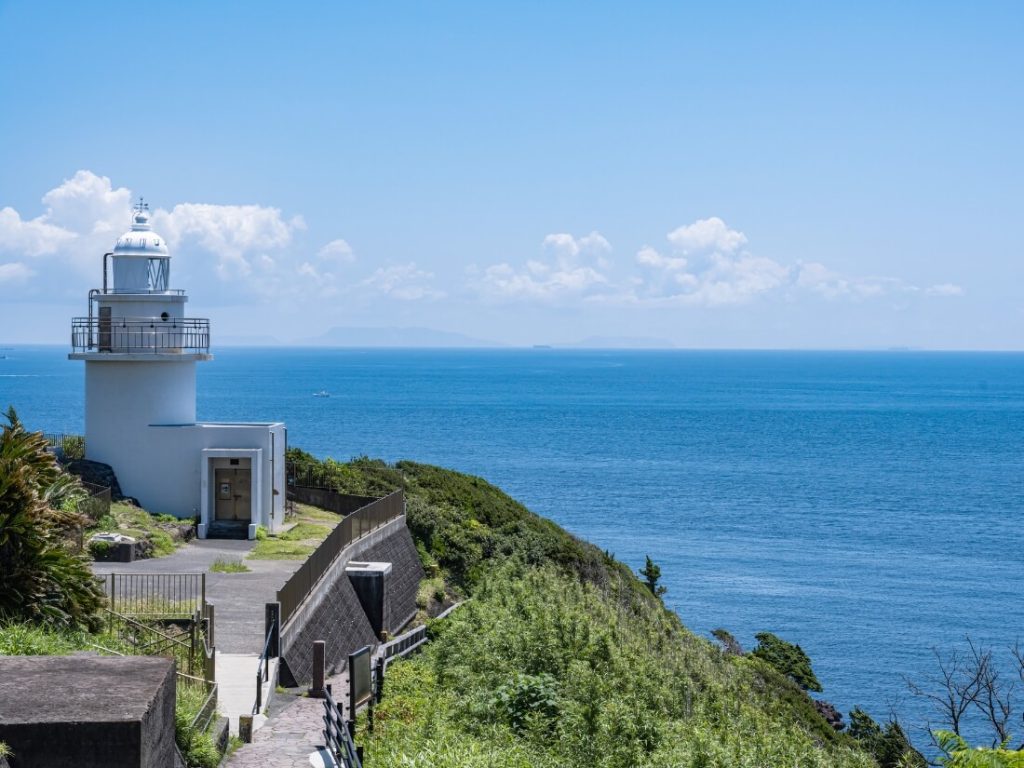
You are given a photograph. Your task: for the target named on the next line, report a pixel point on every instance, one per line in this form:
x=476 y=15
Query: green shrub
x=526 y=698
x=196 y=746
x=959 y=754
x=43 y=580
x=100 y=550
x=788 y=658
x=73 y=447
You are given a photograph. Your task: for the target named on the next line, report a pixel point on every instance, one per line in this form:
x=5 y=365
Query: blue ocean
x=866 y=505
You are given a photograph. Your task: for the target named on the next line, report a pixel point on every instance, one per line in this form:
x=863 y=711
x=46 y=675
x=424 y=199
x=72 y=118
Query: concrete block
x=87 y=711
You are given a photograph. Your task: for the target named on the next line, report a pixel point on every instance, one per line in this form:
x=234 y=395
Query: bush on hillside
x=789 y=659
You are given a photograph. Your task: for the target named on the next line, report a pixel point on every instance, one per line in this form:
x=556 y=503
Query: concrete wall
x=402 y=584
x=87 y=711
x=160 y=461
x=333 y=613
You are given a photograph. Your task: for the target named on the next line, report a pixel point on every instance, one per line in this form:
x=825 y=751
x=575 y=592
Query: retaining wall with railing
x=355 y=526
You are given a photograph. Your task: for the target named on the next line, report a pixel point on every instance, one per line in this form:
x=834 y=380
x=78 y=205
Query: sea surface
x=865 y=505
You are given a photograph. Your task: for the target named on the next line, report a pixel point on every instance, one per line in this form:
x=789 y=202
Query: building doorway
x=233 y=491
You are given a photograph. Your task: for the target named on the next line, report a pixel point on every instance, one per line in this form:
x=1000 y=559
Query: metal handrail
x=172 y=335
x=143 y=292
x=338 y=734
x=353 y=527
x=263 y=670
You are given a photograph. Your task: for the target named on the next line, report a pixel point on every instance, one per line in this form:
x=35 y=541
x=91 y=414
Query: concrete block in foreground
x=87 y=711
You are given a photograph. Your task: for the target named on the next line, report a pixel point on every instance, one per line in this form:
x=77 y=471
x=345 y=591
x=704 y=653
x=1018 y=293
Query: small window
x=234 y=462
x=164 y=316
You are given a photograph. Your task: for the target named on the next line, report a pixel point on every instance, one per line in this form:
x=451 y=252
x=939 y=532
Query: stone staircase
x=228 y=529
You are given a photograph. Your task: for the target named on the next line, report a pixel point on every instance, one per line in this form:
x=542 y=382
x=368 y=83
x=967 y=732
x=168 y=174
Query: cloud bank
x=702 y=264
x=255 y=249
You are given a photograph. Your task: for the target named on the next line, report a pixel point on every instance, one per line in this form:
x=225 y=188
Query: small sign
x=360 y=688
x=225 y=490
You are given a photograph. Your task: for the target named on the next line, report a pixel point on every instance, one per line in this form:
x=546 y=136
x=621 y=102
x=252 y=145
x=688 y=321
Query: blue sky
x=715 y=175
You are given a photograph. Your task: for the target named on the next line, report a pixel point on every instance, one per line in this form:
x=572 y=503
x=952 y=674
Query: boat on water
x=322 y=393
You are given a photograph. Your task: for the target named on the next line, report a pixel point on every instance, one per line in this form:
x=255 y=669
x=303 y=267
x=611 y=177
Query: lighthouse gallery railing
x=175 y=335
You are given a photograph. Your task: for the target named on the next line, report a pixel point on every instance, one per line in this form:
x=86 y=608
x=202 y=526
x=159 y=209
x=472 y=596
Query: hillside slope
x=562 y=657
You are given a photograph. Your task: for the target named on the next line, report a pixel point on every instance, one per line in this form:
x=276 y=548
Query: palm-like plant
x=42 y=579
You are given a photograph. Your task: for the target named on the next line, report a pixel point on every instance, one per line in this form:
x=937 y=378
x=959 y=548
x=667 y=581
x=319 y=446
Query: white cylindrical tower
x=140 y=354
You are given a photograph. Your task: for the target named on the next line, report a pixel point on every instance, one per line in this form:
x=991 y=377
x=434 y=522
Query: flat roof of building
x=81 y=688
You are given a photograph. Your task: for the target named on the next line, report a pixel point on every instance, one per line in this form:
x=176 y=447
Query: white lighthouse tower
x=140 y=354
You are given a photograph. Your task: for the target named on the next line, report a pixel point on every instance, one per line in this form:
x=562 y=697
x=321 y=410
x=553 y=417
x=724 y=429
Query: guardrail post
x=259 y=690
x=272 y=629
x=319 y=660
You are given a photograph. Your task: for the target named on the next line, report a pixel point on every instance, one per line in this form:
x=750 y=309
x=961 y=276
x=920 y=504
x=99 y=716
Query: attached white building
x=140 y=353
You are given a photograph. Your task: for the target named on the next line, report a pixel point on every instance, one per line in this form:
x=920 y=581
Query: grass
x=229 y=566
x=197 y=746
x=305 y=532
x=312 y=525
x=272 y=548
x=139 y=524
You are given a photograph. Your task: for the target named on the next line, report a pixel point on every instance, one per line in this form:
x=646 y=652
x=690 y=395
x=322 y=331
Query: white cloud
x=819 y=279
x=707 y=235
x=230 y=232
x=15 y=272
x=89 y=204
x=944 y=289
x=337 y=250
x=573 y=267
x=402 y=281
x=35 y=237
x=709 y=268
x=649 y=257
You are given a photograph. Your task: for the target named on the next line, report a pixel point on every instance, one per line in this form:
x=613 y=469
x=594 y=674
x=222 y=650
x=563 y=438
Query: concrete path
x=239 y=597
x=239 y=600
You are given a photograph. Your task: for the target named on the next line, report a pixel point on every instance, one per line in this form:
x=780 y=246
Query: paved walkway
x=239 y=597
x=293 y=736
x=239 y=600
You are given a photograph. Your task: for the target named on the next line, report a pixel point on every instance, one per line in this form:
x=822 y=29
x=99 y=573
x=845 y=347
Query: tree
x=973 y=687
x=652 y=574
x=889 y=746
x=730 y=644
x=787 y=658
x=44 y=581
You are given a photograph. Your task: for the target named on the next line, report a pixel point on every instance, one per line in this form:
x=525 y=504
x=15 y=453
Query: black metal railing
x=156 y=595
x=175 y=335
x=352 y=528
x=338 y=734
x=143 y=291
x=263 y=670
x=66 y=446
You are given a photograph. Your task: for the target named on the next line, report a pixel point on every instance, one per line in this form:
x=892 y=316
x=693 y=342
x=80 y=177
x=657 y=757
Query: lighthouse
x=140 y=352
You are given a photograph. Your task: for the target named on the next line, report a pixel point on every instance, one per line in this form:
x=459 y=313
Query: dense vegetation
x=44 y=579
x=50 y=603
x=564 y=658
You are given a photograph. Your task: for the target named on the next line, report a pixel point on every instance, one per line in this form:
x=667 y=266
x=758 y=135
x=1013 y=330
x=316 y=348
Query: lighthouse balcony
x=163 y=336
